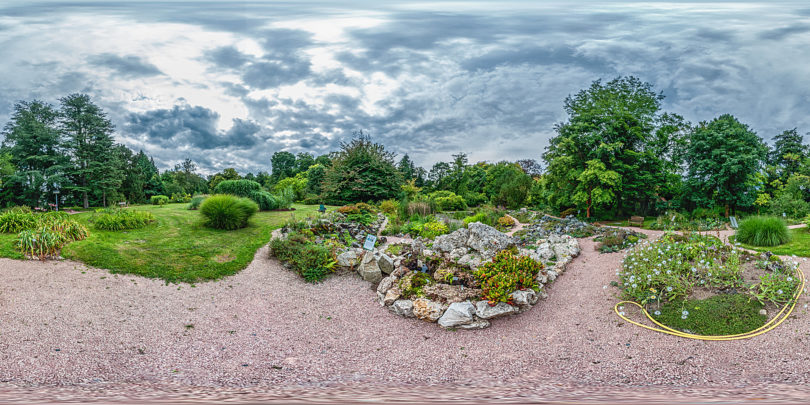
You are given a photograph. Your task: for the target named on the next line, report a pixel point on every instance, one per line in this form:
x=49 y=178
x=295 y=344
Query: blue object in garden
x=322 y=208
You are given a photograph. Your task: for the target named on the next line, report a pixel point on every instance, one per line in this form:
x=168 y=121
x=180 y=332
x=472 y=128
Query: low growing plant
x=506 y=273
x=119 y=220
x=159 y=200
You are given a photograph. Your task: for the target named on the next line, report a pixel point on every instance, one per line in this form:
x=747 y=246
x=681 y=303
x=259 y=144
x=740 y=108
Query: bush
x=792 y=207
x=159 y=200
x=241 y=188
x=265 y=200
x=505 y=222
x=763 y=231
x=432 y=229
x=40 y=235
x=475 y=199
x=224 y=211
x=313 y=262
x=118 y=220
x=180 y=198
x=285 y=198
x=14 y=221
x=479 y=217
x=390 y=207
x=505 y=274
x=196 y=201
x=455 y=203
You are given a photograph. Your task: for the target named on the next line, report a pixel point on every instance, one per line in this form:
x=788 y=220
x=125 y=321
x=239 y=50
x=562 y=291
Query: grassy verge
x=799 y=244
x=718 y=315
x=176 y=248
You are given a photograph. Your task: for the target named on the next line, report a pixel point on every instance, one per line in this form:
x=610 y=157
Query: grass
x=763 y=231
x=177 y=247
x=724 y=314
x=799 y=245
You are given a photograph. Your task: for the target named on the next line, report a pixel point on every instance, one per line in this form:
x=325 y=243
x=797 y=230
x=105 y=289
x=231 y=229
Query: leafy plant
x=159 y=200
x=505 y=223
x=506 y=273
x=180 y=198
x=265 y=200
x=224 y=211
x=433 y=229
x=313 y=262
x=241 y=188
x=196 y=201
x=777 y=287
x=118 y=219
x=763 y=231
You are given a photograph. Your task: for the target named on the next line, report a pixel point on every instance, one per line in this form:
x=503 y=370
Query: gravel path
x=68 y=331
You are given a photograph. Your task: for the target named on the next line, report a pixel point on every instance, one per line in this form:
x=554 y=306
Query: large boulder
x=452 y=241
x=524 y=298
x=485 y=311
x=427 y=310
x=487 y=240
x=386 y=263
x=369 y=270
x=458 y=313
x=347 y=259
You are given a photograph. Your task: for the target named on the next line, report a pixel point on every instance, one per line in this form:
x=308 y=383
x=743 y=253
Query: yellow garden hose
x=773 y=323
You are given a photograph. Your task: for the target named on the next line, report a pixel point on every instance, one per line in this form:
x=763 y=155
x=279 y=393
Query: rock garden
x=462 y=279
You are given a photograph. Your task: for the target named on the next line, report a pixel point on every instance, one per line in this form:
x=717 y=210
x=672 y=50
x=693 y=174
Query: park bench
x=636 y=221
x=123 y=204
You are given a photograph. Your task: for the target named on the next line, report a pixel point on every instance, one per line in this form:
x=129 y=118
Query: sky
x=228 y=83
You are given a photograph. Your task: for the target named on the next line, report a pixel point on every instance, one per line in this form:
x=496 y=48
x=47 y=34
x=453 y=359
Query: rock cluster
x=546 y=226
x=556 y=251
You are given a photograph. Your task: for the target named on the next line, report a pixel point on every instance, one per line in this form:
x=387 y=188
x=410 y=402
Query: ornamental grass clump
x=763 y=231
x=119 y=220
x=229 y=212
x=506 y=273
x=41 y=234
x=196 y=201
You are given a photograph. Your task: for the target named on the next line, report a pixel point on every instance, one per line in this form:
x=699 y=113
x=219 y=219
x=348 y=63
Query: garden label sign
x=733 y=222
x=370 y=241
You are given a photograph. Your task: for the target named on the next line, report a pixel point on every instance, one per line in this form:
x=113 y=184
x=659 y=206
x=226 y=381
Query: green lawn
x=799 y=244
x=718 y=315
x=176 y=248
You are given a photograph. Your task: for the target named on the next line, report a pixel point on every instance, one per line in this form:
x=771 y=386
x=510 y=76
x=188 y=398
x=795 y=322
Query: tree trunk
x=86 y=202
x=588 y=209
x=104 y=198
x=726 y=210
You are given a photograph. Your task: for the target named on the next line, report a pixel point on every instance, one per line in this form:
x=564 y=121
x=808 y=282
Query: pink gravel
x=72 y=332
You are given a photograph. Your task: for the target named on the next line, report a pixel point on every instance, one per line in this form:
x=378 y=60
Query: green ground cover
x=799 y=244
x=177 y=247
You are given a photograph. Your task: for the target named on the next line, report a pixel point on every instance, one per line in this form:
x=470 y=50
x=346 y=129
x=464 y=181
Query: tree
x=303 y=161
x=36 y=148
x=437 y=177
x=227 y=174
x=620 y=124
x=723 y=157
x=595 y=186
x=263 y=178
x=507 y=184
x=90 y=142
x=283 y=164
x=531 y=167
x=406 y=167
x=315 y=177
x=788 y=154
x=362 y=171
x=456 y=181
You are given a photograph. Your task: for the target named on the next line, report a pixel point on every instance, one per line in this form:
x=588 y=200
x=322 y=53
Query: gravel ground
x=72 y=332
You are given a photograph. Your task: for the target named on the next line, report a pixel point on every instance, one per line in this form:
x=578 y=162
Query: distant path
x=518 y=226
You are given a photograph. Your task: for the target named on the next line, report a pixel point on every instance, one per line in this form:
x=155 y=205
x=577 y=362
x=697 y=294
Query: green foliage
x=724 y=314
x=763 y=231
x=473 y=199
x=297 y=184
x=41 y=234
x=778 y=287
x=241 y=188
x=505 y=274
x=265 y=200
x=361 y=212
x=432 y=229
x=229 y=212
x=411 y=285
x=504 y=223
x=723 y=156
x=159 y=200
x=362 y=171
x=285 y=198
x=121 y=219
x=311 y=261
x=180 y=198
x=596 y=185
x=448 y=201
x=17 y=219
x=389 y=207
x=196 y=201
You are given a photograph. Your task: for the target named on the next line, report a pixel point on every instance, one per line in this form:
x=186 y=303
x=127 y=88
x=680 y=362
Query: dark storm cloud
x=193 y=126
x=534 y=55
x=228 y=57
x=274 y=73
x=127 y=66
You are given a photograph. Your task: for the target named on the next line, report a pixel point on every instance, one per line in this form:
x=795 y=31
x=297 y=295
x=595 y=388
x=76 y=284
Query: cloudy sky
x=228 y=83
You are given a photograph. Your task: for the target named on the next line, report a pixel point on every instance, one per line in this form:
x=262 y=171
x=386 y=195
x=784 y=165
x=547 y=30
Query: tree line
x=617 y=153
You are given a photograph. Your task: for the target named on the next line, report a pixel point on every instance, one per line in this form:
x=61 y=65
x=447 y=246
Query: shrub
x=196 y=201
x=505 y=222
x=14 y=221
x=454 y=203
x=313 y=262
x=118 y=220
x=433 y=229
x=241 y=188
x=45 y=234
x=285 y=198
x=792 y=207
x=390 y=207
x=180 y=198
x=159 y=200
x=223 y=211
x=505 y=274
x=763 y=231
x=566 y=212
x=265 y=200
x=479 y=217
x=475 y=199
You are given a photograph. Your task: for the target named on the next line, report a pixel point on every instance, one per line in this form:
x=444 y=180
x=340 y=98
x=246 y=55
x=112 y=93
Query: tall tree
x=362 y=171
x=788 y=154
x=36 y=149
x=618 y=123
x=724 y=156
x=303 y=161
x=89 y=133
x=406 y=167
x=283 y=164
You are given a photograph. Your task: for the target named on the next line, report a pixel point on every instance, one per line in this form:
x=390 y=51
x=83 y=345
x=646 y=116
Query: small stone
x=763 y=312
x=402 y=308
x=391 y=296
x=478 y=324
x=524 y=298
x=427 y=310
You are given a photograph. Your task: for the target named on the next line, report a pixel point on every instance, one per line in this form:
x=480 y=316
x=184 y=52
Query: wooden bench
x=123 y=204
x=636 y=221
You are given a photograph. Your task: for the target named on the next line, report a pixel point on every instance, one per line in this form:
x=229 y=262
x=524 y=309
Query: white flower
x=657 y=313
x=669 y=288
x=779 y=292
x=683 y=317
x=685 y=312
x=621 y=313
